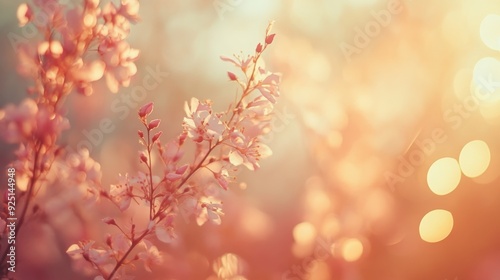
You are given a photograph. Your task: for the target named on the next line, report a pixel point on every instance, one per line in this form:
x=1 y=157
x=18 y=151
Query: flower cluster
x=186 y=188
x=57 y=62
x=78 y=45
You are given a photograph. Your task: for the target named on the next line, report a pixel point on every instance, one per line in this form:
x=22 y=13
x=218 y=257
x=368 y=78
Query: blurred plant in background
x=385 y=145
x=80 y=45
x=76 y=47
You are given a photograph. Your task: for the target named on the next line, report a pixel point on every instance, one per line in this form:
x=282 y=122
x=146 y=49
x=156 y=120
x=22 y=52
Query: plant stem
x=122 y=260
x=31 y=187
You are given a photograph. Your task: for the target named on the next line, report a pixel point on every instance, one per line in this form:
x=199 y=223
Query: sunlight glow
x=475 y=158
x=486 y=72
x=436 y=225
x=304 y=233
x=444 y=175
x=489 y=31
x=352 y=249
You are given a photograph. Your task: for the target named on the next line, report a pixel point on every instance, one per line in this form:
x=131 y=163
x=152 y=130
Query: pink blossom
x=242 y=63
x=269 y=86
x=83 y=167
x=116 y=24
x=172 y=152
x=120 y=244
x=49 y=125
x=18 y=123
x=119 y=59
x=24 y=14
x=130 y=10
x=87 y=72
x=96 y=256
x=28 y=120
x=177 y=173
x=151 y=256
x=75 y=250
x=121 y=193
x=247 y=151
x=164 y=231
x=222 y=178
x=213 y=213
x=222 y=141
x=99 y=256
x=200 y=123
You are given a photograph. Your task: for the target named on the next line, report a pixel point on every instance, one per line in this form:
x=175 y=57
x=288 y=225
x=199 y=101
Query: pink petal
x=235 y=158
x=164 y=234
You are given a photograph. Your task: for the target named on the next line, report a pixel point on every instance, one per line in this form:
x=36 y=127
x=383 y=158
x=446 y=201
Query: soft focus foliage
x=383 y=136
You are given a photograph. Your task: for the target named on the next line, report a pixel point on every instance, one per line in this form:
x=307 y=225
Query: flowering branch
x=59 y=63
x=181 y=190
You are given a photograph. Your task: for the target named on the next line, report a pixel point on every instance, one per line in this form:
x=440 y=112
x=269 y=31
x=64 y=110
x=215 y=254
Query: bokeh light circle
x=352 y=249
x=486 y=73
x=490 y=31
x=436 y=225
x=304 y=233
x=444 y=176
x=474 y=158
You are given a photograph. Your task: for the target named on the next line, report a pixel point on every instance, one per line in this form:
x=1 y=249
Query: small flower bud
x=154 y=124
x=144 y=158
x=156 y=136
x=258 y=49
x=182 y=138
x=109 y=241
x=109 y=221
x=145 y=110
x=232 y=76
x=270 y=38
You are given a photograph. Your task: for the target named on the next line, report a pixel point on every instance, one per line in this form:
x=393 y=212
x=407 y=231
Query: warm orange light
x=436 y=225
x=475 y=158
x=444 y=175
x=352 y=249
x=304 y=233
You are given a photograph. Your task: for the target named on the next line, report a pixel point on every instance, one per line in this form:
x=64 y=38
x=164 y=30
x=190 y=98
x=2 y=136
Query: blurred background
x=386 y=155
